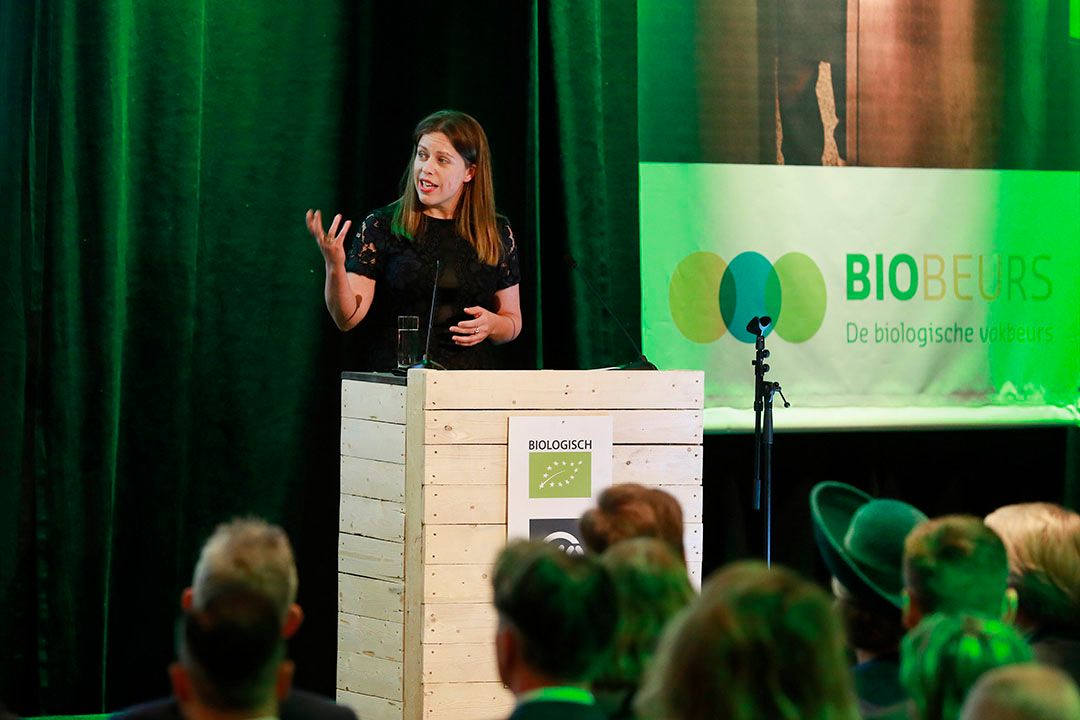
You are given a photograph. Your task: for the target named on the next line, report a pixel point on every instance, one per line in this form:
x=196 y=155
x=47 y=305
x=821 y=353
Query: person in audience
x=1043 y=545
x=256 y=555
x=1023 y=692
x=557 y=618
x=758 y=642
x=861 y=540
x=232 y=662
x=652 y=585
x=956 y=564
x=946 y=653
x=628 y=510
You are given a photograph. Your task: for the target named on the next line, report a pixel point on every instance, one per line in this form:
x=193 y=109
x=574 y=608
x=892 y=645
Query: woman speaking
x=442 y=230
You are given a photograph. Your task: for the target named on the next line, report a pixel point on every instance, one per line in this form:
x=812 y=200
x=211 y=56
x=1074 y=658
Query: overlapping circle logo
x=709 y=296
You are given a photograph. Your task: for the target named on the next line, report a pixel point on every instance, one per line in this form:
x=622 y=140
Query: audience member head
x=1023 y=692
x=557 y=616
x=758 y=642
x=861 y=540
x=629 y=510
x=943 y=657
x=253 y=554
x=231 y=657
x=956 y=564
x=1043 y=545
x=652 y=585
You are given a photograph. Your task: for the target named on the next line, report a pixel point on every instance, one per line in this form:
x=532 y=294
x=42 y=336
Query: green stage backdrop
x=925 y=271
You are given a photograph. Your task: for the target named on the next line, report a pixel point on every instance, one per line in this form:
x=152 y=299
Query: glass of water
x=408 y=341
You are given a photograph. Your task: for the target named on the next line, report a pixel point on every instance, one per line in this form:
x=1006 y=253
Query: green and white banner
x=556 y=468
x=900 y=296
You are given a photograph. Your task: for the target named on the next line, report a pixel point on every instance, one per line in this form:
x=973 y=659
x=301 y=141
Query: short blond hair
x=249 y=553
x=1043 y=545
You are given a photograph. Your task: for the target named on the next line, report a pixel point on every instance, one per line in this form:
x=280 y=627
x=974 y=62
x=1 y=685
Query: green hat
x=862 y=539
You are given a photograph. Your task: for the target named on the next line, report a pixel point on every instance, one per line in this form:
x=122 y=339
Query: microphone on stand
x=642 y=362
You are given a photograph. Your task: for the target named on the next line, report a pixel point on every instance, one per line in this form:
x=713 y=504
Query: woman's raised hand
x=331 y=242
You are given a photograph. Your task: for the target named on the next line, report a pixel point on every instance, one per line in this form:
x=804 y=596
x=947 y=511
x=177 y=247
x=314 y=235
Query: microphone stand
x=763 y=431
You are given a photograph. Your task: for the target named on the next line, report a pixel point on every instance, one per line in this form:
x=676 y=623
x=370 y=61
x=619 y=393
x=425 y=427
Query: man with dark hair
x=252 y=554
x=557 y=618
x=232 y=662
x=956 y=564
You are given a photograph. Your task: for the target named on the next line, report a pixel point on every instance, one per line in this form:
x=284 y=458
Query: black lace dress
x=404 y=270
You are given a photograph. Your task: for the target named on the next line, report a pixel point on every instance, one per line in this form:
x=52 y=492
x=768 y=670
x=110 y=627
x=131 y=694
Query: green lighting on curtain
x=1074 y=19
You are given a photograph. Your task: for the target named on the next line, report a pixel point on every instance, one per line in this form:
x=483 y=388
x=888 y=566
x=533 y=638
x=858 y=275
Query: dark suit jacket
x=556 y=710
x=299 y=705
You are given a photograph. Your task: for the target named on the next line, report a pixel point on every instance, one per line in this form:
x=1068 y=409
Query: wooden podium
x=423 y=515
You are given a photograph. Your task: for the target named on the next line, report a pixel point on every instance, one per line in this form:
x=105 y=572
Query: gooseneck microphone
x=642 y=362
x=427 y=362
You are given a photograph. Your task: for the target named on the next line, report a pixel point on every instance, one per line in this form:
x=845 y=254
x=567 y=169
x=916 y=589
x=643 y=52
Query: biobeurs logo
x=709 y=296
x=560 y=468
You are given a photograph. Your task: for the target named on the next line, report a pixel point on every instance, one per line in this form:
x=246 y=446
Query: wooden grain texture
x=464 y=504
x=463 y=544
x=629 y=427
x=467 y=701
x=368 y=675
x=460 y=662
x=486 y=464
x=367 y=636
x=458 y=583
x=373 y=401
x=368 y=707
x=367 y=597
x=371 y=518
x=446 y=623
x=373 y=440
x=414 y=548
x=373 y=478
x=564 y=389
x=368 y=557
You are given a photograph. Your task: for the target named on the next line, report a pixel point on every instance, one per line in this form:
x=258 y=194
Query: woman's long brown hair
x=474 y=217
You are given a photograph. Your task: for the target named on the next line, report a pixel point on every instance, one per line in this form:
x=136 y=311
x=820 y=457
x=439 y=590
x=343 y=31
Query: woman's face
x=439 y=175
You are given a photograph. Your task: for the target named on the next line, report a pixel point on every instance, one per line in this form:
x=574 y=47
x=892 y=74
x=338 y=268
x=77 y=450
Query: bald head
x=1023 y=692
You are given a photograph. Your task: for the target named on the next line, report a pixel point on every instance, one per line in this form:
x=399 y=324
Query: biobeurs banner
x=899 y=296
x=896 y=184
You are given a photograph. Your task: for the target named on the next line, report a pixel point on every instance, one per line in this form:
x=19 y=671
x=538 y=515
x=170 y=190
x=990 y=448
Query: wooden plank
x=460 y=623
x=465 y=464
x=463 y=544
x=564 y=389
x=657 y=464
x=368 y=675
x=467 y=701
x=378 y=599
x=373 y=440
x=458 y=583
x=373 y=401
x=367 y=636
x=465 y=662
x=373 y=478
x=368 y=707
x=368 y=557
x=486 y=464
x=464 y=504
x=694 y=568
x=692 y=541
x=371 y=518
x=629 y=427
x=414 y=536
x=690 y=499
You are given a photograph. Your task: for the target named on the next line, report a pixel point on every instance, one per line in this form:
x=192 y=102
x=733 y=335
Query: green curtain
x=167 y=362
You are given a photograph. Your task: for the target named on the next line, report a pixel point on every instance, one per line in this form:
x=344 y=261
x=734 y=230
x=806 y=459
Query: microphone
x=642 y=362
x=427 y=362
x=758 y=326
